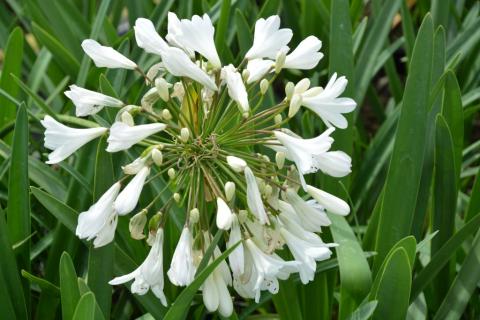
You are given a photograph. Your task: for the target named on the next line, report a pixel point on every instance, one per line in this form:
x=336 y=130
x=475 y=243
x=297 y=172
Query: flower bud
x=166 y=115
x=278 y=119
x=149 y=99
x=264 y=86
x=171 y=173
x=289 y=89
x=302 y=85
x=245 y=74
x=194 y=216
x=184 y=134
x=236 y=163
x=224 y=217
x=295 y=104
x=280 y=59
x=155 y=221
x=162 y=87
x=229 y=190
x=127 y=118
x=242 y=216
x=157 y=156
x=268 y=190
x=153 y=71
x=176 y=197
x=137 y=224
x=280 y=159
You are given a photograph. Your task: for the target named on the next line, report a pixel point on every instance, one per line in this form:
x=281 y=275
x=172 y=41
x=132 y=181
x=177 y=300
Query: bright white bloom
x=236 y=163
x=306 y=253
x=174 y=33
x=328 y=201
x=236 y=258
x=179 y=64
x=147 y=37
x=236 y=87
x=306 y=55
x=106 y=56
x=254 y=198
x=149 y=275
x=89 y=102
x=64 y=140
x=127 y=199
x=268 y=38
x=216 y=295
x=335 y=163
x=257 y=69
x=224 y=215
x=326 y=103
x=135 y=166
x=100 y=220
x=182 y=269
x=197 y=35
x=310 y=218
x=123 y=136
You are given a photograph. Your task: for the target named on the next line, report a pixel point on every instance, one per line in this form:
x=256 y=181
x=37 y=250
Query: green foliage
x=414 y=191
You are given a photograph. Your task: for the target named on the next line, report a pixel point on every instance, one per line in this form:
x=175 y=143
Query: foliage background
x=410 y=248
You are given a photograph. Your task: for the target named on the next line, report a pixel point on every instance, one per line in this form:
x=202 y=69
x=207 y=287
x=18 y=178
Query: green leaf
x=474 y=203
x=222 y=26
x=85 y=308
x=60 y=210
x=69 y=292
x=45 y=285
x=18 y=212
x=38 y=101
x=364 y=311
x=287 y=302
x=244 y=36
x=184 y=299
x=407 y=158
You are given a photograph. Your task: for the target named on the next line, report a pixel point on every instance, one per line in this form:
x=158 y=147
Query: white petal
x=89 y=102
x=335 y=163
x=236 y=87
x=268 y=38
x=225 y=306
x=127 y=199
x=174 y=32
x=147 y=37
x=105 y=56
x=254 y=198
x=306 y=55
x=122 y=136
x=182 y=269
x=224 y=215
x=257 y=69
x=328 y=201
x=211 y=298
x=236 y=163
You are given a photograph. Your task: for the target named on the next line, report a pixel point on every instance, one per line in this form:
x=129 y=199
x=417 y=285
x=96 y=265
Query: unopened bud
x=155 y=221
x=280 y=59
x=263 y=86
x=194 y=216
x=295 y=104
x=278 y=119
x=176 y=197
x=184 y=134
x=137 y=224
x=157 y=156
x=242 y=216
x=245 y=115
x=236 y=163
x=162 y=87
x=153 y=71
x=229 y=190
x=302 y=85
x=166 y=114
x=268 y=191
x=289 y=89
x=171 y=173
x=280 y=159
x=245 y=74
x=127 y=118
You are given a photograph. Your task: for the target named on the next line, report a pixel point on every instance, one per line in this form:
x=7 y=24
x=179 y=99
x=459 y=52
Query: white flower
x=268 y=269
x=254 y=198
x=89 y=102
x=306 y=253
x=149 y=275
x=306 y=55
x=326 y=104
x=135 y=166
x=100 y=220
x=335 y=163
x=224 y=215
x=174 y=31
x=268 y=38
x=236 y=258
x=310 y=218
x=197 y=35
x=127 y=199
x=236 y=87
x=179 y=64
x=106 y=56
x=182 y=268
x=64 y=140
x=216 y=295
x=328 y=201
x=147 y=37
x=123 y=136
x=257 y=69
x=236 y=163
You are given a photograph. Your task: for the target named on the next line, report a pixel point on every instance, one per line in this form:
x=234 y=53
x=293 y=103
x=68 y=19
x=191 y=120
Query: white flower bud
x=171 y=173
x=280 y=159
x=157 y=156
x=278 y=119
x=137 y=224
x=245 y=74
x=194 y=216
x=127 y=118
x=328 y=201
x=229 y=190
x=280 y=59
x=162 y=88
x=295 y=105
x=268 y=191
x=166 y=114
x=176 y=197
x=184 y=134
x=224 y=215
x=236 y=163
x=264 y=86
x=153 y=71
x=289 y=89
x=242 y=216
x=178 y=91
x=302 y=86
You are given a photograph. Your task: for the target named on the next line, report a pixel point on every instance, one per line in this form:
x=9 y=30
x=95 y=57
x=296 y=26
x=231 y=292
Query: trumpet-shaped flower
x=268 y=38
x=147 y=37
x=311 y=218
x=216 y=295
x=236 y=87
x=174 y=32
x=127 y=199
x=100 y=220
x=306 y=55
x=64 y=140
x=224 y=215
x=107 y=57
x=149 y=275
x=122 y=136
x=328 y=201
x=89 y=102
x=182 y=269
x=254 y=198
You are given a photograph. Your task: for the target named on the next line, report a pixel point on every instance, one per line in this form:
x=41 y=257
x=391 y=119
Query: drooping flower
x=224 y=215
x=127 y=199
x=236 y=258
x=122 y=136
x=100 y=220
x=149 y=275
x=135 y=166
x=311 y=219
x=89 y=102
x=64 y=140
x=328 y=201
x=107 y=57
x=268 y=38
x=236 y=87
x=182 y=268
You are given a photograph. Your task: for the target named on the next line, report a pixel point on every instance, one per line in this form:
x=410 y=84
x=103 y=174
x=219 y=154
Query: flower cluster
x=206 y=130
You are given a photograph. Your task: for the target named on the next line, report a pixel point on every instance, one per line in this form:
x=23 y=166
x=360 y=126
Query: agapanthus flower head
x=202 y=128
